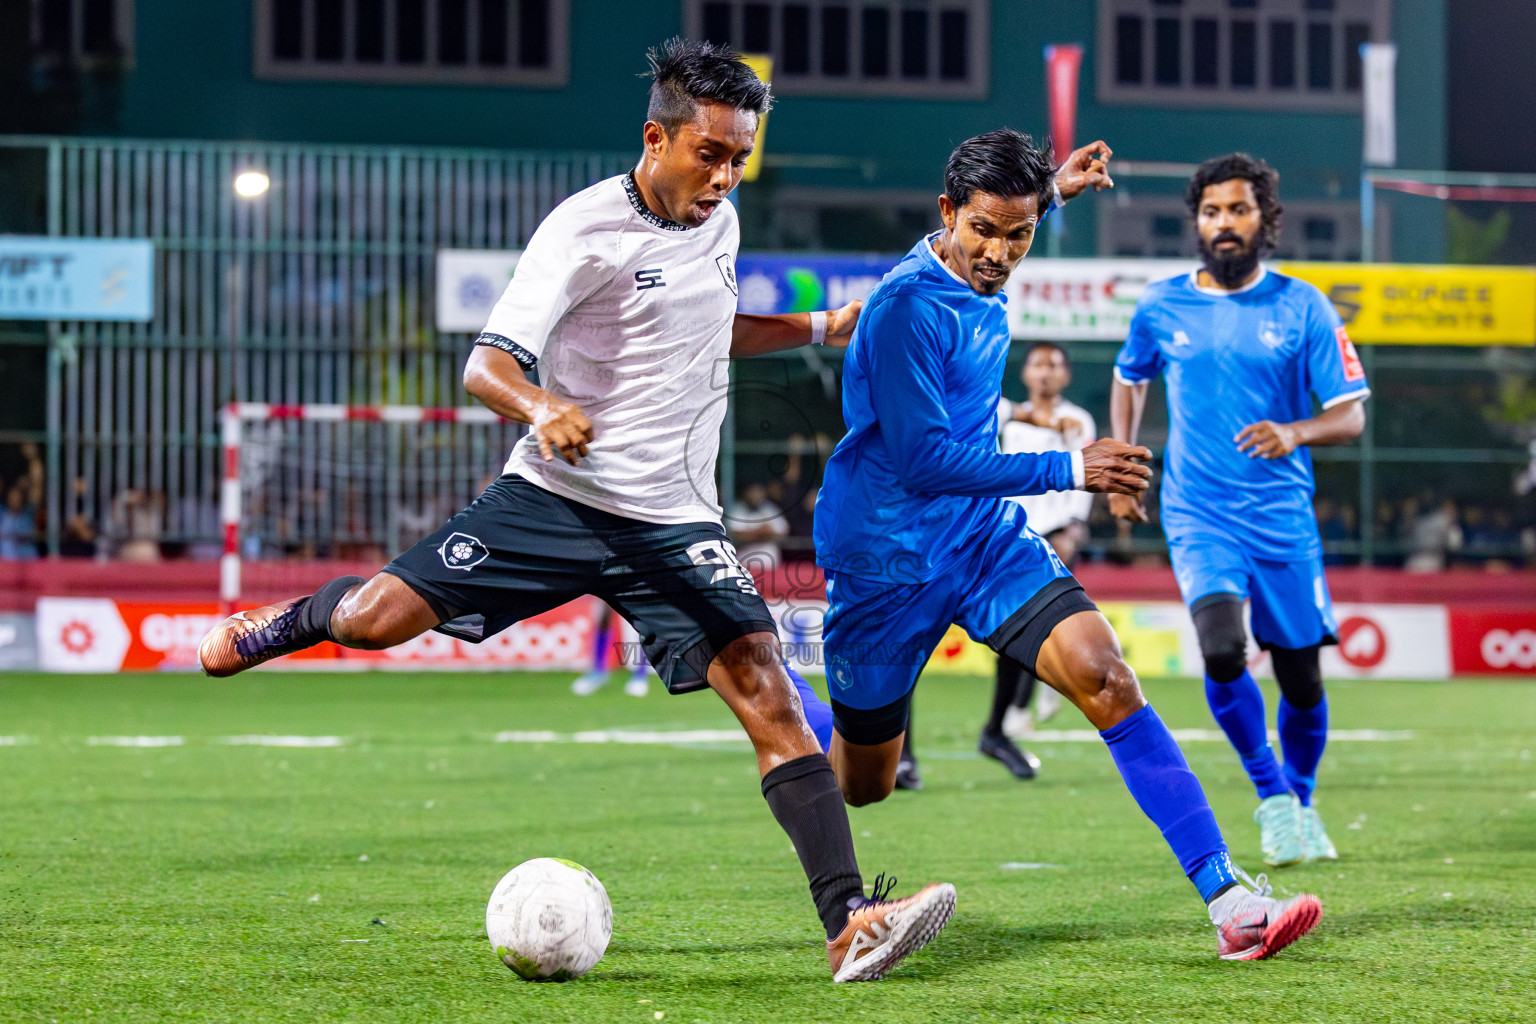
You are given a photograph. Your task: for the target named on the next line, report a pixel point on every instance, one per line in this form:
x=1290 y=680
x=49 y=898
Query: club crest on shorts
x=461 y=551
x=727 y=271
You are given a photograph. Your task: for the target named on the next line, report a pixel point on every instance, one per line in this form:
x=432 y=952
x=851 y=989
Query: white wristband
x=1079 y=471
x=818 y=327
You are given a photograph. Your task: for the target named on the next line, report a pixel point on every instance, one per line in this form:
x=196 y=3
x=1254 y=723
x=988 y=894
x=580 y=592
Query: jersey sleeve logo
x=1353 y=369
x=727 y=271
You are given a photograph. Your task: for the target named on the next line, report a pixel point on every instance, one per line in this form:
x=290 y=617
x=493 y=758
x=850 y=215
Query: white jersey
x=629 y=316
x=1052 y=510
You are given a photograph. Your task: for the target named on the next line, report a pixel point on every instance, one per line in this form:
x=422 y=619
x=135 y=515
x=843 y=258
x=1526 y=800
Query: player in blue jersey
x=1245 y=351
x=914 y=530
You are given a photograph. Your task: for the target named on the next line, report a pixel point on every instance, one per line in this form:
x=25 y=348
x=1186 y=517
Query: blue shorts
x=1290 y=604
x=877 y=635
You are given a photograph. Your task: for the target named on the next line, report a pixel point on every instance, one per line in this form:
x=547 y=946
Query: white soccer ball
x=549 y=920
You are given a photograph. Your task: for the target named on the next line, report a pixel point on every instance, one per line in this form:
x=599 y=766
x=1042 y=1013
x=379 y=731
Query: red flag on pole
x=1062 y=64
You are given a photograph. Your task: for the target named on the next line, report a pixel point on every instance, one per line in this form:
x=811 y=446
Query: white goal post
x=331 y=476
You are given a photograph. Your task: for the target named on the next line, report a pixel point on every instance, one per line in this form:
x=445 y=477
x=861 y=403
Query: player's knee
x=361 y=628
x=1223 y=640
x=1116 y=693
x=1300 y=675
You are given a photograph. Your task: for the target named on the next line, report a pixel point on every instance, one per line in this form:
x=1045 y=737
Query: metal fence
x=320 y=290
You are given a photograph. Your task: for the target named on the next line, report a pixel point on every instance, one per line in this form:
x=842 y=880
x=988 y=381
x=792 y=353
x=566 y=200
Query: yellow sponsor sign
x=1150 y=635
x=1426 y=304
x=762 y=66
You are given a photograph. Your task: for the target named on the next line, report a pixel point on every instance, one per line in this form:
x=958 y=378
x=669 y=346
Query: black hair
x=1266 y=190
x=685 y=72
x=1065 y=358
x=1002 y=163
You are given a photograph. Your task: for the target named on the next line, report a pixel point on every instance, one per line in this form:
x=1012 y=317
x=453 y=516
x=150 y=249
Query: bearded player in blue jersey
x=1245 y=351
x=915 y=532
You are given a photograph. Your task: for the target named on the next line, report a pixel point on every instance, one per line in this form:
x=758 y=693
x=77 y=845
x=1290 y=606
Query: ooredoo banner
x=1497 y=642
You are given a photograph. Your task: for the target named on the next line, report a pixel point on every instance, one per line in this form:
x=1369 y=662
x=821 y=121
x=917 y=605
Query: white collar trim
x=928 y=245
x=1194 y=280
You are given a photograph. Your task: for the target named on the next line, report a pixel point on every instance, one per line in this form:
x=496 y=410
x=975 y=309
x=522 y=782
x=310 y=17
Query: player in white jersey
x=1047 y=422
x=625 y=301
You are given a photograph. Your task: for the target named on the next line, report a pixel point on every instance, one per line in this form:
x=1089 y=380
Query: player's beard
x=1231 y=269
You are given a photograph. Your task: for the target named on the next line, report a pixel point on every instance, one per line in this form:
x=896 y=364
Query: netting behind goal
x=348 y=482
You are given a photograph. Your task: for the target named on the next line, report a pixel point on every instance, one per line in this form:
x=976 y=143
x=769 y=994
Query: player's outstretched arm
x=1114 y=467
x=753 y=335
x=494 y=377
x=1126 y=404
x=1269 y=440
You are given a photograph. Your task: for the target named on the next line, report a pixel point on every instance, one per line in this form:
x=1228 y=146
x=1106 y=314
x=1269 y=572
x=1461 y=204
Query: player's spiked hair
x=1266 y=189
x=1002 y=163
x=685 y=72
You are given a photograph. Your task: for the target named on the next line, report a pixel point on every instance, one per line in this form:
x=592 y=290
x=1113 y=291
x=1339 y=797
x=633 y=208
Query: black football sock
x=805 y=800
x=1010 y=676
x=314 y=612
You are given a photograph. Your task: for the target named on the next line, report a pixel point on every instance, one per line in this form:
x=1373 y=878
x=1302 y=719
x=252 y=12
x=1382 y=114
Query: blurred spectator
x=1433 y=535
x=18 y=523
x=138 y=522
x=756 y=524
x=79 y=538
x=801 y=517
x=197 y=518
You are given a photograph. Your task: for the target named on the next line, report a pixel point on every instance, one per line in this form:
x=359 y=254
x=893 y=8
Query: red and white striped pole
x=229 y=510
x=233 y=420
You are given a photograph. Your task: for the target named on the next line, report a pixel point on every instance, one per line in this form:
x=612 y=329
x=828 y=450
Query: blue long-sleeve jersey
x=919 y=471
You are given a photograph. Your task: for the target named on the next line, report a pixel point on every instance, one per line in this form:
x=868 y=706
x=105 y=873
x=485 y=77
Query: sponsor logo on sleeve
x=1353 y=369
x=727 y=271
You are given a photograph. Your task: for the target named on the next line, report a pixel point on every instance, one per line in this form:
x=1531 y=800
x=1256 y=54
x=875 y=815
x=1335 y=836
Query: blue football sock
x=1303 y=735
x=601 y=634
x=1239 y=710
x=818 y=713
x=1166 y=790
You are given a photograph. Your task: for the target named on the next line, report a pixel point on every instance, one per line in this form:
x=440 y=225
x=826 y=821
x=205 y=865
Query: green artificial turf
x=212 y=882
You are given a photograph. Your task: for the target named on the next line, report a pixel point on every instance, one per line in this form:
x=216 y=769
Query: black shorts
x=519 y=550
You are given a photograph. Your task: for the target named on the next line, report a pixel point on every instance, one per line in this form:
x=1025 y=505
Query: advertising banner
x=1081 y=300
x=469 y=281
x=18 y=642
x=1425 y=304
x=44 y=278
x=1062 y=64
x=1499 y=642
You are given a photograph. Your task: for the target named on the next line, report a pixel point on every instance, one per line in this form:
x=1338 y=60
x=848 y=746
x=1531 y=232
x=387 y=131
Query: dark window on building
x=287 y=27
x=717 y=23
x=1165 y=52
x=756 y=28
x=835 y=40
x=1203 y=46
x=1128 y=50
x=368 y=30
x=533 y=44
x=493 y=32
x=452 y=31
x=1320 y=56
x=98 y=29
x=797 y=39
x=1167 y=227
x=410 y=31
x=1245 y=55
x=1356 y=35
x=330 y=31
x=1319 y=229
x=914 y=44
x=1282 y=55
x=875 y=61
x=1319 y=5
x=1242 y=5
x=954 y=43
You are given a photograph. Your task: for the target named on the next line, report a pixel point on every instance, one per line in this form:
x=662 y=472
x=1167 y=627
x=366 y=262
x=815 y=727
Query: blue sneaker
x=1315 y=844
x=1279 y=819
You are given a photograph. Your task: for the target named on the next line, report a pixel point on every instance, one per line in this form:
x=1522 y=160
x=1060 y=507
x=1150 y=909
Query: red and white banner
x=1494 y=642
x=92 y=634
